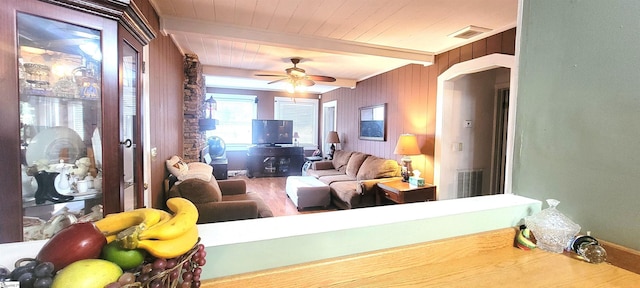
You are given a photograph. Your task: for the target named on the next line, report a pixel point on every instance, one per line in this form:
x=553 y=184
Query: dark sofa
x=219 y=200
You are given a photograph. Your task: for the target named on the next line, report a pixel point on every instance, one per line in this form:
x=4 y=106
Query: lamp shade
x=332 y=137
x=296 y=135
x=407 y=145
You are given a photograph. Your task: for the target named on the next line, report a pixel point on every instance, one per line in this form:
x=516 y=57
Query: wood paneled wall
x=410 y=94
x=166 y=77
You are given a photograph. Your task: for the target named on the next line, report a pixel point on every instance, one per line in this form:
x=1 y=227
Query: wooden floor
x=272 y=191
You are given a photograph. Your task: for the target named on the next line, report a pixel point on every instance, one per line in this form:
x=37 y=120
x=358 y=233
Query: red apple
x=76 y=242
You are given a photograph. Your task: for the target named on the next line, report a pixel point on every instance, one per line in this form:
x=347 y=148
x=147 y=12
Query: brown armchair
x=220 y=200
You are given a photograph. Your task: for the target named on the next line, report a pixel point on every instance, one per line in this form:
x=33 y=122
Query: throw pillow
x=198 y=191
x=176 y=166
x=192 y=175
x=340 y=159
x=199 y=167
x=198 y=170
x=355 y=161
x=374 y=168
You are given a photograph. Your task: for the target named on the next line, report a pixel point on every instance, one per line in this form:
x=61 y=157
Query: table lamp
x=407 y=145
x=295 y=138
x=332 y=138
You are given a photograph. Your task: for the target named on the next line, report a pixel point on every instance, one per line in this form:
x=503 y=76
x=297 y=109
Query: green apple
x=125 y=258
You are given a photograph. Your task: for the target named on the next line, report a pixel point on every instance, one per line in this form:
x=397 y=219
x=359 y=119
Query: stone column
x=194 y=93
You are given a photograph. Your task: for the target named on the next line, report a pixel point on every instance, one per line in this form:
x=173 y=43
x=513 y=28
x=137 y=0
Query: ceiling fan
x=298 y=77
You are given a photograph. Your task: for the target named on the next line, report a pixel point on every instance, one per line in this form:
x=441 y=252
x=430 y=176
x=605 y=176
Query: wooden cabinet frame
x=106 y=16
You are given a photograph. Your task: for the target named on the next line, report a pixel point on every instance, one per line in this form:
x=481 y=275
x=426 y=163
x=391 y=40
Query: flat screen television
x=271 y=132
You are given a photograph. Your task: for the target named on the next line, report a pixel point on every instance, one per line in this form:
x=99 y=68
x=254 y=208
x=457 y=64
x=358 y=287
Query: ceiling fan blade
x=271 y=75
x=307 y=82
x=321 y=78
x=279 y=80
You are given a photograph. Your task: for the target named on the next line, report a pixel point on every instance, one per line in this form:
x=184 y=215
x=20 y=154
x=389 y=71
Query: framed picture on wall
x=373 y=122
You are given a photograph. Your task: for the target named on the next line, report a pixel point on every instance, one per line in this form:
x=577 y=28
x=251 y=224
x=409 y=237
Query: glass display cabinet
x=70 y=138
x=59 y=76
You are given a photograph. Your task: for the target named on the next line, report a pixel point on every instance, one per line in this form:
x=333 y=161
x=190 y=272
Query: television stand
x=274 y=161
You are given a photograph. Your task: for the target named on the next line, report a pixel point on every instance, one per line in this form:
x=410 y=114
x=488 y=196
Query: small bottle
x=588 y=248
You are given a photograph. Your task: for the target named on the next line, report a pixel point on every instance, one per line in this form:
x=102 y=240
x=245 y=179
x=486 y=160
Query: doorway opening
x=329 y=116
x=472 y=147
x=499 y=159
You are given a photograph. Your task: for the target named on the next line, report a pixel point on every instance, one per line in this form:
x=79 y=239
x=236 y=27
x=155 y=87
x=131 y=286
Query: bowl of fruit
x=143 y=247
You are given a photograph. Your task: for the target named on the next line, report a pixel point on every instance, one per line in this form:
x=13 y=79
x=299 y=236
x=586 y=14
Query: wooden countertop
x=481 y=260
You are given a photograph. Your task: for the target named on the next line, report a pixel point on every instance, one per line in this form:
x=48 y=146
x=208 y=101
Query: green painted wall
x=243 y=257
x=578 y=113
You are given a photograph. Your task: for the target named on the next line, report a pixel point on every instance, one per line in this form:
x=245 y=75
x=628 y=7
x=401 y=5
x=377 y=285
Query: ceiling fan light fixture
x=297 y=78
x=296 y=86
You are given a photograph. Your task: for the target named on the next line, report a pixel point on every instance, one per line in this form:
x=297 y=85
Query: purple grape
x=187 y=276
x=127 y=278
x=155 y=272
x=143 y=277
x=172 y=263
x=156 y=283
x=113 y=285
x=147 y=268
x=16 y=273
x=160 y=263
x=43 y=269
x=26 y=280
x=44 y=282
x=174 y=274
x=4 y=273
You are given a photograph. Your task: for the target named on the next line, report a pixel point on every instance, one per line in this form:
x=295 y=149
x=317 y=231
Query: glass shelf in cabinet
x=27 y=203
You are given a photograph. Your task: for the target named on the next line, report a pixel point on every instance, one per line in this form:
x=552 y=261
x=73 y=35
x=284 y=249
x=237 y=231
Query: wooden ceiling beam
x=205 y=29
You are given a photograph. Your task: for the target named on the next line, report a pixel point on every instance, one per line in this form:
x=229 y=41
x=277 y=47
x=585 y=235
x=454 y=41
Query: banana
x=173 y=247
x=143 y=217
x=185 y=217
x=111 y=238
x=523 y=240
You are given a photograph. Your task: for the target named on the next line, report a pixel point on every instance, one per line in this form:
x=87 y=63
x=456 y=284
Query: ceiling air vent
x=469 y=32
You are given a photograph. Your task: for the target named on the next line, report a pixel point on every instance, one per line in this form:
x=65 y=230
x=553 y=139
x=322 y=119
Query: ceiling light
x=296 y=86
x=469 y=32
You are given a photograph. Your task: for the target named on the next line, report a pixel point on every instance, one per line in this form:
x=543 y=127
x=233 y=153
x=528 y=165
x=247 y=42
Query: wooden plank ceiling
x=349 y=40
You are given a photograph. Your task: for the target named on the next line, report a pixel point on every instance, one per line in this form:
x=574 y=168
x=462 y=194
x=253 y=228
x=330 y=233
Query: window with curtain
x=304 y=113
x=234 y=114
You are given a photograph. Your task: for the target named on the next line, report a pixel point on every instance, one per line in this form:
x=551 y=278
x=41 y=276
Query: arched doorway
x=447 y=143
